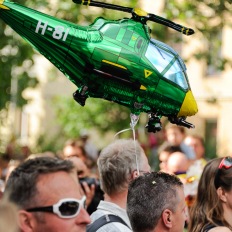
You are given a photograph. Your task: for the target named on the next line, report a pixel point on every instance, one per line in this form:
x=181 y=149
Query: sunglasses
x=225 y=163
x=64 y=208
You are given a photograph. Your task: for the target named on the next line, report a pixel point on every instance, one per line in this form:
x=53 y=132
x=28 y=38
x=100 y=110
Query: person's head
x=74 y=148
x=11 y=166
x=4 y=161
x=197 y=143
x=213 y=202
x=41 y=182
x=177 y=163
x=223 y=186
x=164 y=152
x=80 y=168
x=117 y=165
x=175 y=134
x=84 y=135
x=156 y=202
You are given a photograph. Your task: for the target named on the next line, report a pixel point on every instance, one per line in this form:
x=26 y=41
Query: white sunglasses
x=64 y=208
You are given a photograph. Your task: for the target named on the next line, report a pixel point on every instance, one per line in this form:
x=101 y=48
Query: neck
x=160 y=227
x=227 y=216
x=119 y=199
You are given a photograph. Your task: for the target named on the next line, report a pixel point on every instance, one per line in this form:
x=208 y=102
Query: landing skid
x=154 y=124
x=80 y=95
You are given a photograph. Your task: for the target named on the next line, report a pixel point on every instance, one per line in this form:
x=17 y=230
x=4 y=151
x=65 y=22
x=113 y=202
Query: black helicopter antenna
x=139 y=14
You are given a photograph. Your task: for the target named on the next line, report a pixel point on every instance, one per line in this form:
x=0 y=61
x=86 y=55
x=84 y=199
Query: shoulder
x=97 y=221
x=114 y=227
x=220 y=229
x=97 y=214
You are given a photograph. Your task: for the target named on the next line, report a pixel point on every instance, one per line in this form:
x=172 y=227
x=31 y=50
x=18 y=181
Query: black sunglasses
x=64 y=208
x=225 y=163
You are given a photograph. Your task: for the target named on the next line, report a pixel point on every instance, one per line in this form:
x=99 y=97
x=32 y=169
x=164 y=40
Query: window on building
x=211 y=138
x=214 y=56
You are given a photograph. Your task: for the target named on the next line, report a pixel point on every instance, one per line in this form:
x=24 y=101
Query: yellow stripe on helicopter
x=112 y=63
x=2 y=6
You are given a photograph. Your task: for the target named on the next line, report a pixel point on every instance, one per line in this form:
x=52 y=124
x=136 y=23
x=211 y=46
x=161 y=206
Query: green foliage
x=16 y=61
x=47 y=143
x=96 y=114
x=208 y=19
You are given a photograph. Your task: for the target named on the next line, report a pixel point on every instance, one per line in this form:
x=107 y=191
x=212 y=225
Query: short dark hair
x=21 y=185
x=167 y=147
x=148 y=196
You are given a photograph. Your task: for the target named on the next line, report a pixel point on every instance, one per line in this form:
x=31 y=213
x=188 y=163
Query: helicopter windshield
x=167 y=61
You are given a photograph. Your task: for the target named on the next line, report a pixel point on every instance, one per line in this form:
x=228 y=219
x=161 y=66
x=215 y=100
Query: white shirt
x=104 y=208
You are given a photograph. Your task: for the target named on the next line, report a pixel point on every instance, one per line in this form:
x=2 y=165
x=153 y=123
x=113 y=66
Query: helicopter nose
x=189 y=106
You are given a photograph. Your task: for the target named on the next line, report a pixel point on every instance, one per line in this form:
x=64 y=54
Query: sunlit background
x=36 y=104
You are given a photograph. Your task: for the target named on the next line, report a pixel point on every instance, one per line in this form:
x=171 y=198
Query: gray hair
x=116 y=164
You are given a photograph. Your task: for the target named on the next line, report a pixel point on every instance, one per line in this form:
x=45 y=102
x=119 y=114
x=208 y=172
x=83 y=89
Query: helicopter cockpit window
x=167 y=62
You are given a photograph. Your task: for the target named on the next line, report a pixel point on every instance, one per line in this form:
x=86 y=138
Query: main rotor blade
x=104 y=5
x=168 y=23
x=146 y=16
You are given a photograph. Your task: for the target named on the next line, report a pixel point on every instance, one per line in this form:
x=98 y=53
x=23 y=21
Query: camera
x=90 y=181
x=98 y=195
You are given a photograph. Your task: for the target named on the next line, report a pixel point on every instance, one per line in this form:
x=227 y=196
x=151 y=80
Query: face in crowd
x=48 y=197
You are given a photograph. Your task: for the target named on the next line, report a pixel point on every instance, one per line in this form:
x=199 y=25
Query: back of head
x=74 y=147
x=197 y=143
x=21 y=184
x=164 y=152
x=167 y=147
x=207 y=207
x=177 y=162
x=149 y=196
x=116 y=164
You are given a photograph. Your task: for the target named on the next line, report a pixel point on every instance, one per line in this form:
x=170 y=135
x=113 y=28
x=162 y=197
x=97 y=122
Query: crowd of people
x=117 y=189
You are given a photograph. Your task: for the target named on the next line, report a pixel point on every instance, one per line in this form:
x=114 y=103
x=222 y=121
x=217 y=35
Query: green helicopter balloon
x=116 y=60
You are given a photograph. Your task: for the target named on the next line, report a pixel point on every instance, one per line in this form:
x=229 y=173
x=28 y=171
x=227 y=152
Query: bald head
x=177 y=162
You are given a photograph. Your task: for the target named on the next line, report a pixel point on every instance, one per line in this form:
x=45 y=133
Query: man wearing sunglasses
x=118 y=164
x=48 y=197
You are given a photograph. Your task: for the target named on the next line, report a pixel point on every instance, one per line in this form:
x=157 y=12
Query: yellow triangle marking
x=134 y=38
x=147 y=73
x=142 y=87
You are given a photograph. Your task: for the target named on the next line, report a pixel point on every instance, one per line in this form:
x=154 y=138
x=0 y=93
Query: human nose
x=83 y=217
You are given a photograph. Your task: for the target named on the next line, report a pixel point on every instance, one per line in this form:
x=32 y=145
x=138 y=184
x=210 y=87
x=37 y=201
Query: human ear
x=135 y=174
x=167 y=218
x=221 y=194
x=25 y=221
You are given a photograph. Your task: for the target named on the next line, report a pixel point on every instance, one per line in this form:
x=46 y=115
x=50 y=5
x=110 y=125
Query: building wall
x=213 y=94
